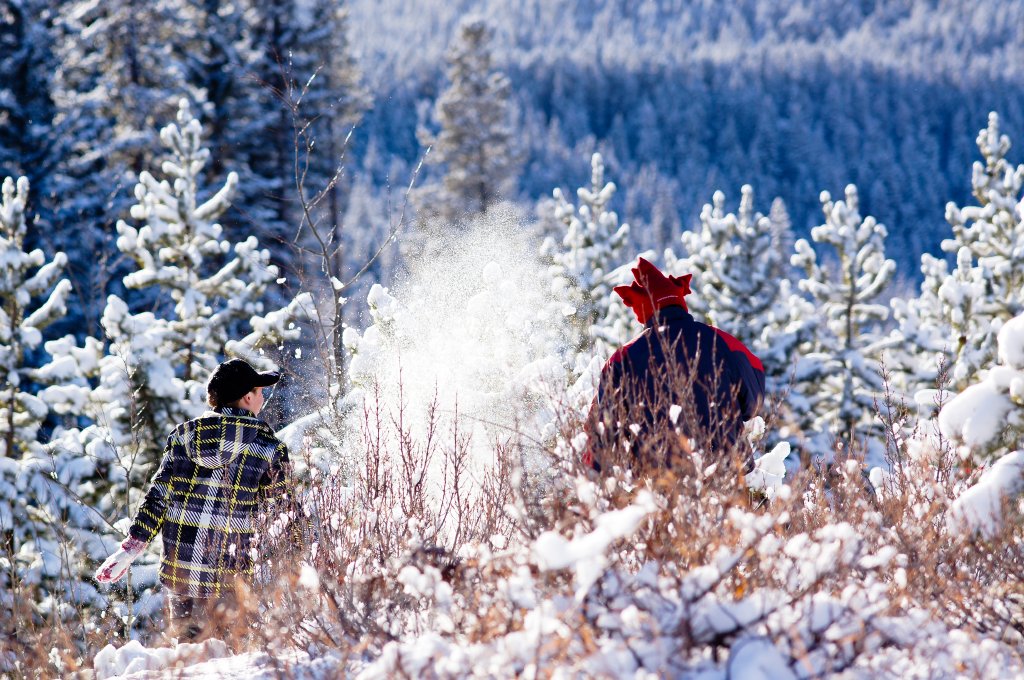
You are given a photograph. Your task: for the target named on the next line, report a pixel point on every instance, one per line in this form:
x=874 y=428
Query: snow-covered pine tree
x=37 y=489
x=743 y=284
x=838 y=382
x=25 y=277
x=207 y=291
x=116 y=80
x=957 y=315
x=987 y=289
x=737 y=265
x=587 y=246
x=474 y=144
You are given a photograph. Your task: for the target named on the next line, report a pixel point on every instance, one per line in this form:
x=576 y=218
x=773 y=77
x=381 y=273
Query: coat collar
x=234 y=411
x=671 y=313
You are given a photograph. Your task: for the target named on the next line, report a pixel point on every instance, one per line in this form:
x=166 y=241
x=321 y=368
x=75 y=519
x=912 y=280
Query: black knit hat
x=235 y=378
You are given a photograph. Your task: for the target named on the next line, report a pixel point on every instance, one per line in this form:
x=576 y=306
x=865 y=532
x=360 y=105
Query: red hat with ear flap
x=652 y=290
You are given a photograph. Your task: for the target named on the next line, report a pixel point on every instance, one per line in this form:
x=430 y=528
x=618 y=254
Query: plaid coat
x=216 y=473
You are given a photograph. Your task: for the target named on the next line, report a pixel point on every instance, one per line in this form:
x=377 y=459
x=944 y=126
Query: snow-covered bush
x=628 y=576
x=988 y=417
x=987 y=420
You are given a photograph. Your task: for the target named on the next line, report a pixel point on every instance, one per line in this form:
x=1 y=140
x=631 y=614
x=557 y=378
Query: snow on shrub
x=987 y=419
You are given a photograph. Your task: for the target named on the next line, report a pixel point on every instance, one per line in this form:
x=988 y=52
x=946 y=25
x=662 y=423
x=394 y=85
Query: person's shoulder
x=190 y=425
x=205 y=419
x=623 y=352
x=266 y=432
x=735 y=345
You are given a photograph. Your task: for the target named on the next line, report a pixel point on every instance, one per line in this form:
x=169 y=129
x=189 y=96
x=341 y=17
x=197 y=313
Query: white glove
x=116 y=566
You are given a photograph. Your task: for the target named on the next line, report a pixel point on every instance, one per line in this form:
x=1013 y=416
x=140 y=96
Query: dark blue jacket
x=711 y=378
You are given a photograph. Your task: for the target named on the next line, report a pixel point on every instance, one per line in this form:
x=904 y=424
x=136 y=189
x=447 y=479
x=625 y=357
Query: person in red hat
x=217 y=472
x=680 y=386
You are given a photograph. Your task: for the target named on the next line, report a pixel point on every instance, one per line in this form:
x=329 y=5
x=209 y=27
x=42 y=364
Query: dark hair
x=213 y=400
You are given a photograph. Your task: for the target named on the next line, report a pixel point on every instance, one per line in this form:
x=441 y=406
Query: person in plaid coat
x=217 y=473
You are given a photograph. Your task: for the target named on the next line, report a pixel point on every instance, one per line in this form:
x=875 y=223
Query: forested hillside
x=683 y=98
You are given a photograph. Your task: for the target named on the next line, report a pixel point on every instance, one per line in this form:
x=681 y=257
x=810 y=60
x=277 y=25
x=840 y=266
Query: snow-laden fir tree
x=474 y=145
x=838 y=382
x=741 y=281
x=587 y=247
x=46 y=532
x=208 y=292
x=956 y=318
x=26 y=277
x=117 y=81
x=987 y=288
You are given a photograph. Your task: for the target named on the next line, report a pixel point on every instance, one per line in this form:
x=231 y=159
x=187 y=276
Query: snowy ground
x=210 y=660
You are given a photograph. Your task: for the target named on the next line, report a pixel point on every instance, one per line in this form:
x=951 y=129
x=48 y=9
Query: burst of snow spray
x=473 y=330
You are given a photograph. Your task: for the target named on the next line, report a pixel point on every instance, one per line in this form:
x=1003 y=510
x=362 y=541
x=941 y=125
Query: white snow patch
x=769 y=470
x=980 y=507
x=758 y=659
x=133 y=657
